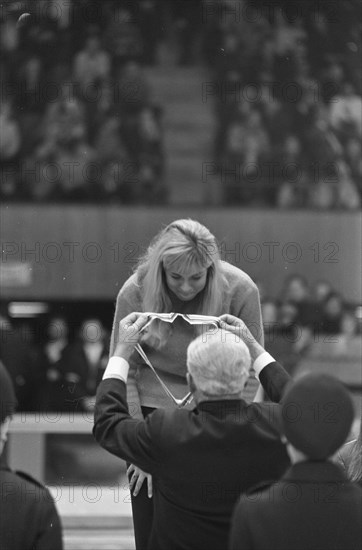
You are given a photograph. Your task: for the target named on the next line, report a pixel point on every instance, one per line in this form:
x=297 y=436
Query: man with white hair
x=200 y=460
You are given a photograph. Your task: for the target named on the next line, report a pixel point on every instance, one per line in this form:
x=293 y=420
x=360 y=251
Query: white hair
x=219 y=363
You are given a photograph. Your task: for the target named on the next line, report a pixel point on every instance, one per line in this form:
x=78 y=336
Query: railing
x=27 y=437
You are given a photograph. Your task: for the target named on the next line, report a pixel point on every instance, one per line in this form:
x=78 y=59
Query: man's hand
x=129 y=334
x=136 y=480
x=237 y=326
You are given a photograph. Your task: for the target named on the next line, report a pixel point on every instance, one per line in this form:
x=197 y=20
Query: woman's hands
x=136 y=478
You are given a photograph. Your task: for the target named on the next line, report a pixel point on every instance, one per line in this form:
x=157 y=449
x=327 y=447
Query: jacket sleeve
x=274 y=378
x=124 y=306
x=250 y=313
x=116 y=431
x=50 y=529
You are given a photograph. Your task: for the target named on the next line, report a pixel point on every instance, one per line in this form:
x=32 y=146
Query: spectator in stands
x=108 y=142
x=331 y=80
x=28 y=517
x=82 y=366
x=119 y=178
x=349 y=342
x=64 y=119
x=42 y=177
x=32 y=92
x=247 y=148
x=201 y=459
x=10 y=136
x=51 y=355
x=22 y=362
x=287 y=319
x=78 y=168
x=91 y=65
x=150 y=158
x=99 y=111
x=287 y=40
x=186 y=18
x=308 y=519
x=132 y=89
x=123 y=37
x=43 y=37
x=346 y=344
x=347 y=193
x=151 y=27
x=10 y=147
x=354 y=161
x=320 y=291
x=9 y=35
x=292 y=175
x=346 y=112
x=320 y=42
x=332 y=314
x=350 y=458
x=296 y=291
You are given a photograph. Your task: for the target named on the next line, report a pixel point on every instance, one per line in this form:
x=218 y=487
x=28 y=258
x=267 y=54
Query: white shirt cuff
x=261 y=362
x=117 y=367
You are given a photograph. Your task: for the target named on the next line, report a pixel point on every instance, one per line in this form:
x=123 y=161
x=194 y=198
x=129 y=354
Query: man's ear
x=190 y=382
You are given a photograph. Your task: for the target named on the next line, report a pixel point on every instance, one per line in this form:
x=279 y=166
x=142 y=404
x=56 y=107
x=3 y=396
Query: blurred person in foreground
x=200 y=459
x=313 y=505
x=28 y=516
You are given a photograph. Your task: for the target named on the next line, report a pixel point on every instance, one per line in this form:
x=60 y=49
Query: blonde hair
x=182 y=244
x=219 y=363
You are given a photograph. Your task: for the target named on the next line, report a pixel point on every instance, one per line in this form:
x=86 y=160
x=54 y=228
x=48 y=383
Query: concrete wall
x=55 y=252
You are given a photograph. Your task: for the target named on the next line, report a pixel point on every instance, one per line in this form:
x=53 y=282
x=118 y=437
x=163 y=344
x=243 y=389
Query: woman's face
x=186 y=284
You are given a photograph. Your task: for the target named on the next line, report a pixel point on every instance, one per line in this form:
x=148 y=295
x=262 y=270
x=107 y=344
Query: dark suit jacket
x=313 y=507
x=201 y=460
x=78 y=378
x=28 y=517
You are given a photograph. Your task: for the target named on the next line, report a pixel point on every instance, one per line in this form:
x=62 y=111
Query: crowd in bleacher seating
x=78 y=121
x=287 y=85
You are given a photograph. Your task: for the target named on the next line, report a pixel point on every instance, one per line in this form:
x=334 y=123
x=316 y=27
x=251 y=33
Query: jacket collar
x=320 y=471
x=3 y=464
x=221 y=408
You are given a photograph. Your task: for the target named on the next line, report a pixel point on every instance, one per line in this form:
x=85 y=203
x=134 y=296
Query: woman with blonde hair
x=180 y=272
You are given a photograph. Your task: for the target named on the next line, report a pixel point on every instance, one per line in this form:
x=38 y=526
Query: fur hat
x=317 y=414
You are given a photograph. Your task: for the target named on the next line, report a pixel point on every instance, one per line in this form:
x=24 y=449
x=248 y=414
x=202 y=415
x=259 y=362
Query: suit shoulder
x=260 y=487
x=24 y=476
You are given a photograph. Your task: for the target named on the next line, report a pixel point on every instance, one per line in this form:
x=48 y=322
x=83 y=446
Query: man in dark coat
x=200 y=460
x=28 y=517
x=313 y=506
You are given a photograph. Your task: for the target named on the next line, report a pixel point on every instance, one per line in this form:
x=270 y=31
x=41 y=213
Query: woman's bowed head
x=182 y=264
